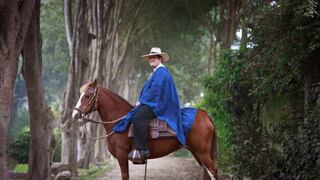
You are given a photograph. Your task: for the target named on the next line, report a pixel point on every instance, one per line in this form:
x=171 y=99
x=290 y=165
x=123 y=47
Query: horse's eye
x=91 y=90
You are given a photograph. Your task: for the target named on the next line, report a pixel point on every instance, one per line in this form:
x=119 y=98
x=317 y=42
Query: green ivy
x=281 y=66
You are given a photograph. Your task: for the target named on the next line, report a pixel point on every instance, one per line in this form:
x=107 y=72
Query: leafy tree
x=54 y=50
x=216 y=103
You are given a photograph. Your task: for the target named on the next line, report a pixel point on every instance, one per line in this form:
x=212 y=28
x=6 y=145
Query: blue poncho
x=160 y=93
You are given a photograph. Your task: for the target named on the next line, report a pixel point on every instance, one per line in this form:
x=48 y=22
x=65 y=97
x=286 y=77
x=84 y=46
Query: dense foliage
x=19 y=148
x=266 y=95
x=54 y=50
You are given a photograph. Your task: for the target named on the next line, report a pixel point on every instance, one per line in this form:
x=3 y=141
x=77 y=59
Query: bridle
x=92 y=100
x=86 y=117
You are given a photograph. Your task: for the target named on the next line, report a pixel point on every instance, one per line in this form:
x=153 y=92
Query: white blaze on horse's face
x=75 y=112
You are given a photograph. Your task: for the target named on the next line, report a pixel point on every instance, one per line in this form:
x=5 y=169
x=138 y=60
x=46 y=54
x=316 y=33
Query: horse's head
x=87 y=101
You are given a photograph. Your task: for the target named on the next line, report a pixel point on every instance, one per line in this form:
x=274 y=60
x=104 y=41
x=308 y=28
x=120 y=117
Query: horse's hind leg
x=205 y=175
x=205 y=149
x=206 y=163
x=210 y=165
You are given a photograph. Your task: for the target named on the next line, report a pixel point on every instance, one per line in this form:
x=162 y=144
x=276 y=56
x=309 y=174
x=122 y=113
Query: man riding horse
x=158 y=99
x=194 y=128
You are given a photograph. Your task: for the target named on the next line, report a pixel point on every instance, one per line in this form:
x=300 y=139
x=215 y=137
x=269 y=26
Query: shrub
x=57 y=148
x=19 y=149
x=21 y=168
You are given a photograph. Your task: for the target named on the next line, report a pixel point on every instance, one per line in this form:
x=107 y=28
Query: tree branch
x=26 y=9
x=126 y=42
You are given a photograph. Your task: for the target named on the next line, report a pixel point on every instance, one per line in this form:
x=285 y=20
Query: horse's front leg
x=124 y=167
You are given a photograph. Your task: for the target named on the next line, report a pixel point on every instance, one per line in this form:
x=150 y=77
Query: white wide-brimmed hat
x=157 y=51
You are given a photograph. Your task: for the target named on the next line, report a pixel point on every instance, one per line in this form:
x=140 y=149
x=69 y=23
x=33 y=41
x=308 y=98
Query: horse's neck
x=111 y=106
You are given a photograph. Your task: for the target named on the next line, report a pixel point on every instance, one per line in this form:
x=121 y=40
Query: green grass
x=21 y=168
x=93 y=172
x=184 y=153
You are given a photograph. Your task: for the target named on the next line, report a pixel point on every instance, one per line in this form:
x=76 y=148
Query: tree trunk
x=14 y=23
x=8 y=72
x=86 y=145
x=78 y=51
x=41 y=117
x=229 y=23
x=210 y=49
x=100 y=145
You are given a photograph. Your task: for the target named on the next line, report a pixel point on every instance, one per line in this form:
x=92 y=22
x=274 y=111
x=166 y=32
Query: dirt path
x=166 y=168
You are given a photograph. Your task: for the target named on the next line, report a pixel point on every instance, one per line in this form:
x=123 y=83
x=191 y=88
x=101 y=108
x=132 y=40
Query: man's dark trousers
x=140 y=126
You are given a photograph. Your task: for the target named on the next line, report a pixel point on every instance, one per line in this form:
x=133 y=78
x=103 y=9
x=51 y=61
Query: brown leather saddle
x=157 y=129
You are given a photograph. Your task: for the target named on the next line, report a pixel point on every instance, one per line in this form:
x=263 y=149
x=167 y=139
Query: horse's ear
x=94 y=83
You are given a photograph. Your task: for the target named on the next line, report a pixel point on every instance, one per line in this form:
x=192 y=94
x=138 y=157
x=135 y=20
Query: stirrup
x=136 y=157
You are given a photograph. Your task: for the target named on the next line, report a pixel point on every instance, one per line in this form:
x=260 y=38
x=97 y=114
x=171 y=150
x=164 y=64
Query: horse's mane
x=115 y=96
x=84 y=87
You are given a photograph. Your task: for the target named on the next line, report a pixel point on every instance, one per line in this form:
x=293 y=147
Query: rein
x=86 y=119
x=96 y=138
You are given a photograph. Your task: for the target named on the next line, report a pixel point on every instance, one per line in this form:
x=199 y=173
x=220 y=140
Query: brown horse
x=201 y=140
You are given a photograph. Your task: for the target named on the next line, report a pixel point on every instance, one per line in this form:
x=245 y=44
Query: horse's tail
x=214 y=149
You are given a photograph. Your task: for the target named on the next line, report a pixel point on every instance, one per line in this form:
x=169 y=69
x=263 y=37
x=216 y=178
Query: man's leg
x=140 y=127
